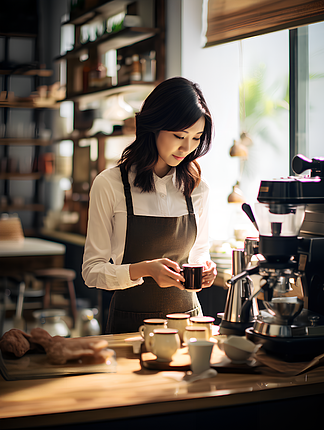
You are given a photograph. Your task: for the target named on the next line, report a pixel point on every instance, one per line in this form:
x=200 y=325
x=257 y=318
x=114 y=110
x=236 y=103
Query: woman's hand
x=165 y=272
x=209 y=274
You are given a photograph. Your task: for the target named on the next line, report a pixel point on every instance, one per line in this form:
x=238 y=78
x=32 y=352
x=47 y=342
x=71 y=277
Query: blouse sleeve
x=98 y=268
x=200 y=251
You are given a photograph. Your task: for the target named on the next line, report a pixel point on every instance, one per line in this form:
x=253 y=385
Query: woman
x=149 y=214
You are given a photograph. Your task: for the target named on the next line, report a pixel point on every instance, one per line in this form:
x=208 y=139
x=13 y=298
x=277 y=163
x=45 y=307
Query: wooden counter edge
x=166 y=407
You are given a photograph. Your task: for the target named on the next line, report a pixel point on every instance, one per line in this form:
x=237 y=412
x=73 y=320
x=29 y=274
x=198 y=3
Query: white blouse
x=107 y=224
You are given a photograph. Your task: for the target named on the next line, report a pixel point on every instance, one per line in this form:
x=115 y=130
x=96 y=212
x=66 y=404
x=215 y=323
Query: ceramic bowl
x=239 y=349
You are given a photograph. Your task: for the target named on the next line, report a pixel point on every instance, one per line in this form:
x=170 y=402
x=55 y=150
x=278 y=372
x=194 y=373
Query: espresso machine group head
x=289 y=216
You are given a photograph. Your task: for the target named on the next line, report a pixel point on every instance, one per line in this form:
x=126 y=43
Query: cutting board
x=36 y=366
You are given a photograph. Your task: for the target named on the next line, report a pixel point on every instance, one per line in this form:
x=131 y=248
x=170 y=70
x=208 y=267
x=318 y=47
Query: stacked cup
x=163 y=337
x=178 y=321
x=160 y=340
x=199 y=327
x=147 y=329
x=202 y=321
x=195 y=332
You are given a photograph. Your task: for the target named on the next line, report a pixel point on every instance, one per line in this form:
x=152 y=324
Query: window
x=309 y=84
x=261 y=66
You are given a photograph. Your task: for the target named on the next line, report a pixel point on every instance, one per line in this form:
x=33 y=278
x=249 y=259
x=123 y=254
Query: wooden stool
x=49 y=276
x=16 y=287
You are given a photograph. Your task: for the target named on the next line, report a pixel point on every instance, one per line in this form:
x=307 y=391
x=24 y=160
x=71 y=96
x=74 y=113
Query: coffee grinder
x=290 y=219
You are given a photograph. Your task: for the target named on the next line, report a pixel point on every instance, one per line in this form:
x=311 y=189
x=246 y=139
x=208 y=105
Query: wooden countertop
x=134 y=392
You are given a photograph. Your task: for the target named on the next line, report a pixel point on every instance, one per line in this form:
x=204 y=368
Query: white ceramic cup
x=178 y=321
x=192 y=332
x=165 y=343
x=203 y=322
x=200 y=352
x=149 y=325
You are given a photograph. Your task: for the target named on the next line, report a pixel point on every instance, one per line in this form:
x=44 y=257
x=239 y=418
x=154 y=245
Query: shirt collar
x=170 y=176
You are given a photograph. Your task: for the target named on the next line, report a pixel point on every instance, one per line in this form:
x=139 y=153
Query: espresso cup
x=203 y=322
x=193 y=276
x=179 y=322
x=200 y=353
x=164 y=342
x=194 y=333
x=147 y=328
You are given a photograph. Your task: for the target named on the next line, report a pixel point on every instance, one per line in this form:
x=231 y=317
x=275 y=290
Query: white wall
x=208 y=67
x=217 y=71
x=173 y=38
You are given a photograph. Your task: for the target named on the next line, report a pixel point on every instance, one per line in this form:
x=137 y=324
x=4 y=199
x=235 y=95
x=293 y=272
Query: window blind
x=229 y=20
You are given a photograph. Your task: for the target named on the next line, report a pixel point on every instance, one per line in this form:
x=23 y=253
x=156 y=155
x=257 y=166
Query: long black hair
x=174 y=105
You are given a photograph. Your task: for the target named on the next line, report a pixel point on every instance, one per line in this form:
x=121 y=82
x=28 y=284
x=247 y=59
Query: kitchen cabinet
x=23 y=138
x=93 y=38
x=118 y=55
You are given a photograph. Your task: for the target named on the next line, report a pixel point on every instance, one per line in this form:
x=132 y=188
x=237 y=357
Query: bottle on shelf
x=136 y=69
x=124 y=69
x=97 y=76
x=148 y=66
x=86 y=71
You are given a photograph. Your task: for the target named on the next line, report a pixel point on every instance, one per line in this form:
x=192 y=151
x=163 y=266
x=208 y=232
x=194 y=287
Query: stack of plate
x=222 y=260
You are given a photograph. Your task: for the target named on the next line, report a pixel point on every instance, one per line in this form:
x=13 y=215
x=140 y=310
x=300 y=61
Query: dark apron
x=149 y=238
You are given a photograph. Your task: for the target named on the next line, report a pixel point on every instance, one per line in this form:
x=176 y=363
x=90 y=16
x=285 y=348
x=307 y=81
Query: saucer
x=162 y=360
x=250 y=362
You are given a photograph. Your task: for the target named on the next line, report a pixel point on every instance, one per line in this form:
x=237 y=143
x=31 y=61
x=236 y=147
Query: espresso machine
x=289 y=216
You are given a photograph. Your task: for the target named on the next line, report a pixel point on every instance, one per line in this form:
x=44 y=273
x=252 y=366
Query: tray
x=181 y=362
x=36 y=366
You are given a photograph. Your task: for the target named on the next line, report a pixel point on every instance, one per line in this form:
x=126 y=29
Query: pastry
x=58 y=349
x=15 y=342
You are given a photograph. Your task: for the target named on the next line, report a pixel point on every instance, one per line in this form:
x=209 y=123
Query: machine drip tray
x=289 y=348
x=307 y=324
x=302 y=340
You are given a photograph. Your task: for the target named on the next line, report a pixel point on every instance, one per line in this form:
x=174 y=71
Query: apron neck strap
x=127 y=191
x=189 y=205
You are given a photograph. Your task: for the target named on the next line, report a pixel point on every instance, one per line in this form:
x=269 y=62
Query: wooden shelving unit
x=125 y=37
x=104 y=9
x=29 y=72
x=12 y=141
x=29 y=104
x=32 y=203
x=128 y=41
x=131 y=87
x=26 y=207
x=33 y=176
